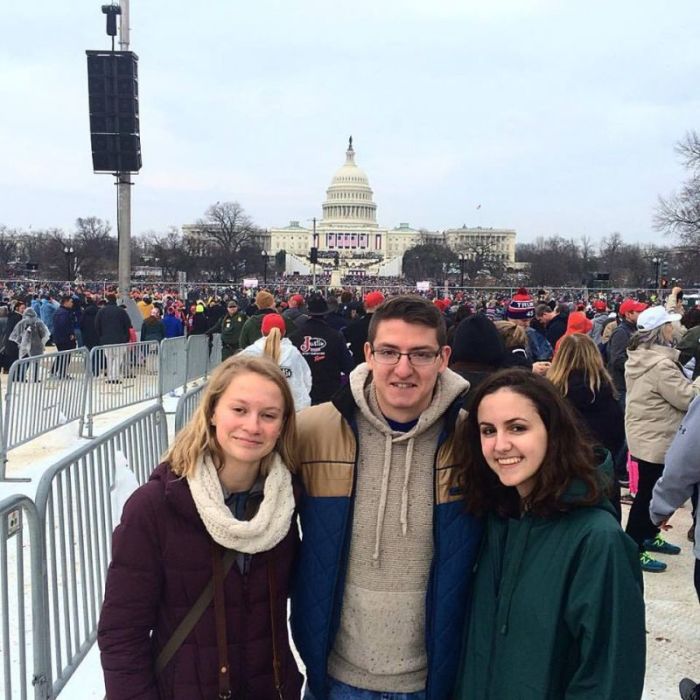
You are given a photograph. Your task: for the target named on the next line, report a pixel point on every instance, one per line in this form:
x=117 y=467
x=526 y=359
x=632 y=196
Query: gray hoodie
x=380 y=642
x=681 y=472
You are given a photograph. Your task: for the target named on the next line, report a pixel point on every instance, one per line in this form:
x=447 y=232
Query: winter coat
x=558 y=611
x=48 y=311
x=197 y=324
x=600 y=411
x=87 y=326
x=230 y=327
x=539 y=348
x=599 y=322
x=327 y=355
x=689 y=347
x=174 y=327
x=4 y=321
x=30 y=334
x=294 y=368
x=681 y=473
x=112 y=325
x=252 y=328
x=152 y=329
x=356 y=334
x=11 y=346
x=617 y=353
x=658 y=395
x=556 y=328
x=329 y=442
x=161 y=562
x=63 y=325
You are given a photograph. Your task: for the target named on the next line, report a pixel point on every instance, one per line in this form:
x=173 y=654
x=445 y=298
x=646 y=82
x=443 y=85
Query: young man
x=385 y=565
x=617 y=345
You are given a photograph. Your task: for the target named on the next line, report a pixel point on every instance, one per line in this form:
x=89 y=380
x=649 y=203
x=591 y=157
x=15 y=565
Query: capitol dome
x=349 y=198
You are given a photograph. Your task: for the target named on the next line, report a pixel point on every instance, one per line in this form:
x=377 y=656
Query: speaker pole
x=124 y=187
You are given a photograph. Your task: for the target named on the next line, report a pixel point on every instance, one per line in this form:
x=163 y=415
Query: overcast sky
x=556 y=117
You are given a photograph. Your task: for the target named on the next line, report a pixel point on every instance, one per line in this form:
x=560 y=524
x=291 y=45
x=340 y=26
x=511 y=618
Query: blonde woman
x=580 y=376
x=516 y=341
x=279 y=349
x=196 y=597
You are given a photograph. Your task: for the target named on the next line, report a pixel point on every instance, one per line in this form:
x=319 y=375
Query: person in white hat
x=658 y=395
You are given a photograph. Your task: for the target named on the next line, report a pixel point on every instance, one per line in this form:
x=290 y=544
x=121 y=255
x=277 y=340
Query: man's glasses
x=418 y=358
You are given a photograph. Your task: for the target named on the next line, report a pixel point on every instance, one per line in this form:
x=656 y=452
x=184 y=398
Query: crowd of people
x=437 y=484
x=429 y=534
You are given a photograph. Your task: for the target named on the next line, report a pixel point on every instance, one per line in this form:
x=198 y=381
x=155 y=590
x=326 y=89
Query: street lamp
x=462 y=258
x=656 y=262
x=68 y=251
x=265 y=255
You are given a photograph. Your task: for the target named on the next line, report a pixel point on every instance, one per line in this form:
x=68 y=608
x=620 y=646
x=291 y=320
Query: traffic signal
x=336 y=260
x=313 y=255
x=664 y=269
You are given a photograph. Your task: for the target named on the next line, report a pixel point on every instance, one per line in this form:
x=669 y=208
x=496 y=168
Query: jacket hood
x=641 y=360
x=29 y=314
x=577 y=489
x=449 y=387
x=578 y=322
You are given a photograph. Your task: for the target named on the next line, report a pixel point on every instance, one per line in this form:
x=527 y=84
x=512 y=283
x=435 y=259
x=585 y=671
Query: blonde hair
x=578 y=353
x=199 y=435
x=273 y=342
x=514 y=336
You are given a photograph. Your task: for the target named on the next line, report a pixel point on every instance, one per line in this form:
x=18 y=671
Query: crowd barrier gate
x=186 y=406
x=120 y=376
x=74 y=505
x=173 y=364
x=22 y=612
x=197 y=357
x=214 y=352
x=43 y=393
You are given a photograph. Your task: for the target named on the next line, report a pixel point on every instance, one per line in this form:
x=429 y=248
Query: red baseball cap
x=271 y=321
x=631 y=305
x=373 y=299
x=600 y=305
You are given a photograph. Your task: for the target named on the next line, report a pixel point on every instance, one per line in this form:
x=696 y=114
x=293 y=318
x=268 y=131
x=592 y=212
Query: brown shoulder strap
x=193 y=616
x=220 y=621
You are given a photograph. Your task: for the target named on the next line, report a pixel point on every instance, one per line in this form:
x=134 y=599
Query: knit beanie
x=271 y=321
x=476 y=339
x=521 y=305
x=264 y=300
x=373 y=299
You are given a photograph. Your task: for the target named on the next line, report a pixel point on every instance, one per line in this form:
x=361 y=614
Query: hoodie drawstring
x=404 y=493
x=382 y=500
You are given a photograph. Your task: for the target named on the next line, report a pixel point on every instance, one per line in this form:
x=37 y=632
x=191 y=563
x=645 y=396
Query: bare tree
x=679 y=213
x=229 y=230
x=95 y=249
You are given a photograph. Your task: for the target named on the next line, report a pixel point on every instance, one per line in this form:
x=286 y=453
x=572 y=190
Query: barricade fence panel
x=197 y=356
x=187 y=405
x=43 y=393
x=214 y=353
x=22 y=613
x=173 y=364
x=74 y=500
x=121 y=375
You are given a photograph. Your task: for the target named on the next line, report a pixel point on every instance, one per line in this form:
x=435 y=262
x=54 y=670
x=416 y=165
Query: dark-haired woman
x=558 y=607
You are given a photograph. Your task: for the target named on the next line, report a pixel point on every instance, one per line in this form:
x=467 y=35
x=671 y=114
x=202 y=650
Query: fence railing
x=186 y=406
x=214 y=352
x=121 y=375
x=197 y=356
x=74 y=504
x=22 y=613
x=173 y=364
x=43 y=393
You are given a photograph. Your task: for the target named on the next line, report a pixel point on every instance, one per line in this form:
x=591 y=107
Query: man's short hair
x=411 y=309
x=65 y=298
x=541 y=310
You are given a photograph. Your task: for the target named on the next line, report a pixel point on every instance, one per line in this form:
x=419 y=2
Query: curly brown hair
x=569 y=457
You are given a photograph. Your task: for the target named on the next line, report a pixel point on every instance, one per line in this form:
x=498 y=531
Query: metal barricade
x=173 y=364
x=214 y=353
x=74 y=503
x=186 y=406
x=22 y=611
x=43 y=393
x=197 y=356
x=121 y=375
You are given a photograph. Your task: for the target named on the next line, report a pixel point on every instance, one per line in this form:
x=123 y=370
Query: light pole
x=265 y=255
x=657 y=262
x=462 y=258
x=68 y=252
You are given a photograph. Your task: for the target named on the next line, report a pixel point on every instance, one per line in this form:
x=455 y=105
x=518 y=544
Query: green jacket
x=557 y=613
x=230 y=328
x=252 y=328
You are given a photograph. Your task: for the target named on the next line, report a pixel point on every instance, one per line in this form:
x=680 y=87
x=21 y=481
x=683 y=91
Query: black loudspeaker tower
x=113 y=91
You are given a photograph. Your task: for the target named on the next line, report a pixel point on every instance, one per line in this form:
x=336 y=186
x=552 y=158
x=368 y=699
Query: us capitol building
x=349 y=229
x=349 y=232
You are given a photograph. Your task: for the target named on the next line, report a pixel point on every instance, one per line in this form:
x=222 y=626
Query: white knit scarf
x=270 y=524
